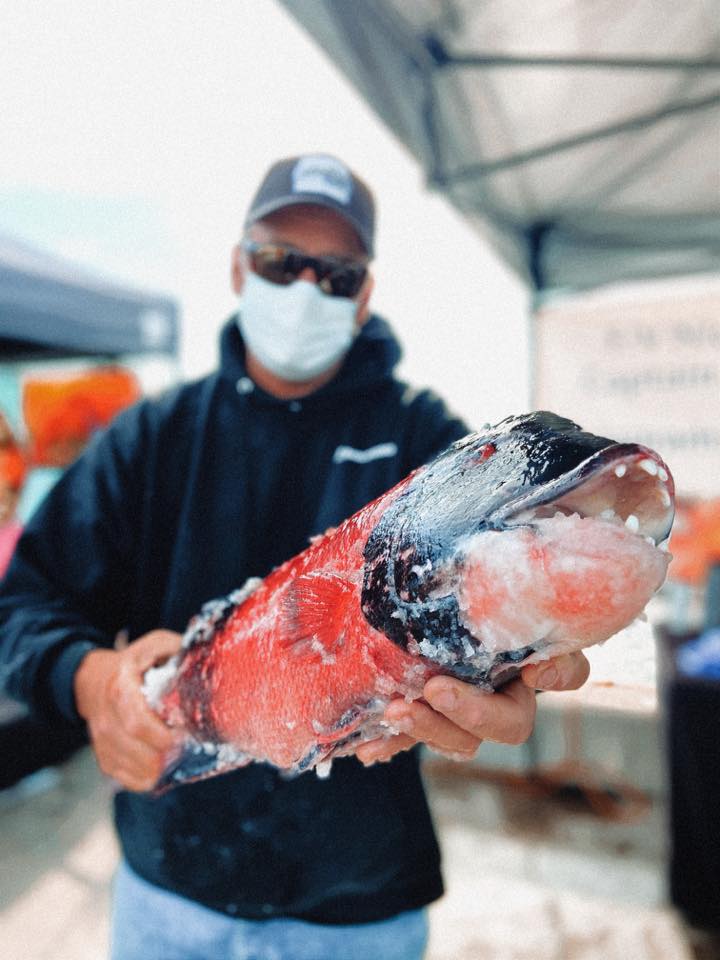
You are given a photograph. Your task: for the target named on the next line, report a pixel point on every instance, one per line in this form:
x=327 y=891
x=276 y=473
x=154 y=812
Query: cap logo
x=324 y=175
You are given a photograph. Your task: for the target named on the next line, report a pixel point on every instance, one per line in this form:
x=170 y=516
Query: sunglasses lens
x=282 y=265
x=271 y=263
x=346 y=280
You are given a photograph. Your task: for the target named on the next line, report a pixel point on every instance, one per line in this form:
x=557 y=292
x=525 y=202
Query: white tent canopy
x=582 y=136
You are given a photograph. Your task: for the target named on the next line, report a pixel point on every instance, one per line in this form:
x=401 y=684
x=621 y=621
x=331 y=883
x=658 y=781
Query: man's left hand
x=453 y=717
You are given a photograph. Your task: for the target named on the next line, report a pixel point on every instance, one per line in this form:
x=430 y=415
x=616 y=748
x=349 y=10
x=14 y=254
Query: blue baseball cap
x=320 y=179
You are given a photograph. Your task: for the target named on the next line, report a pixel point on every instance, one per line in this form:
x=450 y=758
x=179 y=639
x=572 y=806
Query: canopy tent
x=582 y=136
x=50 y=307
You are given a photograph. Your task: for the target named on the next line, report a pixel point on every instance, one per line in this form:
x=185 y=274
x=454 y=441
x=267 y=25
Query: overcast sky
x=134 y=133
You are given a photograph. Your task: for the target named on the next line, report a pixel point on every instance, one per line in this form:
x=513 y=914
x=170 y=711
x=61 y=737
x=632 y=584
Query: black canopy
x=583 y=136
x=50 y=307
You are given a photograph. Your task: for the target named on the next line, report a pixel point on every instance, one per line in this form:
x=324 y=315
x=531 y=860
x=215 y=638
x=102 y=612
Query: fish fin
x=315 y=611
x=197 y=761
x=353 y=721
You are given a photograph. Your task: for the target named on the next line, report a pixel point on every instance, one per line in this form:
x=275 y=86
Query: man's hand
x=453 y=718
x=130 y=741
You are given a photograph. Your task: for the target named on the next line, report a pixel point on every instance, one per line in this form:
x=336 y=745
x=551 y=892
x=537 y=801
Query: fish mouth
x=624 y=483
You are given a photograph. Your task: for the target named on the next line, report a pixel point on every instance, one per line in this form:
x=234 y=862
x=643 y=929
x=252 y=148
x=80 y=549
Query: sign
x=642 y=364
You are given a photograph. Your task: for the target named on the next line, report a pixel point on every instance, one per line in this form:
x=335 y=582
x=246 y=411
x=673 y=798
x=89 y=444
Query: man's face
x=313 y=230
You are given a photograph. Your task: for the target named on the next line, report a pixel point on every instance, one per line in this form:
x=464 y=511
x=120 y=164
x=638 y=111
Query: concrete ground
x=529 y=876
x=540 y=877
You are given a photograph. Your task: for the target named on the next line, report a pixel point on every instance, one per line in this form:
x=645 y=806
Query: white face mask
x=296 y=332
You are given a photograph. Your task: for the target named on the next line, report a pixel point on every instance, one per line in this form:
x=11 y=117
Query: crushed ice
x=156 y=680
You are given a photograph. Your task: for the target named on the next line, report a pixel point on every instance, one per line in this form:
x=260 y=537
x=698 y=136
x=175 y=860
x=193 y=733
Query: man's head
x=321 y=181
x=302 y=272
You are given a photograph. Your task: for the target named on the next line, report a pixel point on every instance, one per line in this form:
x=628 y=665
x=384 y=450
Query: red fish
x=529 y=540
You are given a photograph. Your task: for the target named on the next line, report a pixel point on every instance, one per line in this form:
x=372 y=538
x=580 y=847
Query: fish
x=518 y=543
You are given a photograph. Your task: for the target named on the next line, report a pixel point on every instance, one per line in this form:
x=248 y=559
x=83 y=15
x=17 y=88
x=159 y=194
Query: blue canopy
x=48 y=306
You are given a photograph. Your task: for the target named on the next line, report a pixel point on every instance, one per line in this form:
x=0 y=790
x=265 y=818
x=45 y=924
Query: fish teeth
x=649 y=466
x=663 y=474
x=620 y=470
x=608 y=514
x=632 y=523
x=664 y=498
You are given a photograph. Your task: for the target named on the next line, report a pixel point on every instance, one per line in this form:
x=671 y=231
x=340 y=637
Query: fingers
x=566 y=672
x=422 y=723
x=457 y=716
x=419 y=723
x=154 y=648
x=131 y=762
x=130 y=740
x=139 y=720
x=133 y=712
x=380 y=751
x=506 y=716
x=455 y=719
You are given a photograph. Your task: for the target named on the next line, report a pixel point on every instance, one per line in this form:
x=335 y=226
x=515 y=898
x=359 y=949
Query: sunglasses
x=282 y=264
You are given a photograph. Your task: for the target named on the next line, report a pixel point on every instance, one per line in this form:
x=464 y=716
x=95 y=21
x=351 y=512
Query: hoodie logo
x=380 y=451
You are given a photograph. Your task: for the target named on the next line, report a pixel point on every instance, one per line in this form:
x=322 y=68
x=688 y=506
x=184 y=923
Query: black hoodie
x=179 y=501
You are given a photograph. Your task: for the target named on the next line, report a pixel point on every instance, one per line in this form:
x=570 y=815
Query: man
x=180 y=501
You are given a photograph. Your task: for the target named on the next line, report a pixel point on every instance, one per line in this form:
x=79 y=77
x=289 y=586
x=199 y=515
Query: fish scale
x=527 y=540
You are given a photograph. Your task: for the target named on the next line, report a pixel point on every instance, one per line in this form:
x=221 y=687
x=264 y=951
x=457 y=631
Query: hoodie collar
x=371 y=360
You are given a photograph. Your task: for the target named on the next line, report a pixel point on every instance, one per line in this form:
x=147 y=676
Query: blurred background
x=548 y=183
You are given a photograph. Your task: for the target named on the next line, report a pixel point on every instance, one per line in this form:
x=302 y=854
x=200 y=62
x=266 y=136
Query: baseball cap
x=320 y=179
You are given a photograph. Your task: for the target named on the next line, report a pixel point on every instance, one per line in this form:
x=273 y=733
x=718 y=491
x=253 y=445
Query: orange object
x=62 y=412
x=12 y=467
x=695 y=540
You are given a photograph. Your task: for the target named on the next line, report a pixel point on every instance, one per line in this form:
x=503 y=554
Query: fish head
x=473 y=535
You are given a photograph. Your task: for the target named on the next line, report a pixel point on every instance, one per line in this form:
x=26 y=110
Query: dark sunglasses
x=282 y=264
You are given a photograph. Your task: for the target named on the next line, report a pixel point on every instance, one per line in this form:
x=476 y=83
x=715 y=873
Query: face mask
x=297 y=331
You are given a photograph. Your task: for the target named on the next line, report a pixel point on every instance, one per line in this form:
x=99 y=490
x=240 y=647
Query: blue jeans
x=149 y=923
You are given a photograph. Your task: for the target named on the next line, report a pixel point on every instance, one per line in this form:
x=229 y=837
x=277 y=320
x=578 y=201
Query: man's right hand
x=130 y=741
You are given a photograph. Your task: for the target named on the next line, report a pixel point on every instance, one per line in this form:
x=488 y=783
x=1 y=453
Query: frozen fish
x=522 y=542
